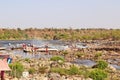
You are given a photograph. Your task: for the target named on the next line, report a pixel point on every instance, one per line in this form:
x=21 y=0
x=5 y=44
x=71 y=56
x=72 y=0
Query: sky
x=60 y=14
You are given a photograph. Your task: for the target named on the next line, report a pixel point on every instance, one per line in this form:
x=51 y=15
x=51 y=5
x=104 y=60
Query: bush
x=84 y=71
x=80 y=54
x=27 y=59
x=61 y=71
x=31 y=70
x=43 y=69
x=73 y=70
x=98 y=74
x=65 y=53
x=101 y=64
x=57 y=58
x=17 y=69
x=98 y=54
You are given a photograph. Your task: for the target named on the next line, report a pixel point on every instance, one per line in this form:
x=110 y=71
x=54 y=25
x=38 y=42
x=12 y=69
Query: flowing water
x=16 y=44
x=60 y=45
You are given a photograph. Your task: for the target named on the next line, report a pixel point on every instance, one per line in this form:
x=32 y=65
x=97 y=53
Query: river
x=60 y=45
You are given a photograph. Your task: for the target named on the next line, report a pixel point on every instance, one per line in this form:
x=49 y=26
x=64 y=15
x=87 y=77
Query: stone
x=15 y=78
x=112 y=68
x=88 y=79
x=55 y=76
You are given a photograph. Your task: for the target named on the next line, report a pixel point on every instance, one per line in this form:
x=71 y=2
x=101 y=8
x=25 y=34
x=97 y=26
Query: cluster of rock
x=46 y=75
x=89 y=54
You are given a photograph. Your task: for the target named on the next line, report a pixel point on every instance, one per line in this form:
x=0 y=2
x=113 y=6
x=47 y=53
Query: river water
x=60 y=45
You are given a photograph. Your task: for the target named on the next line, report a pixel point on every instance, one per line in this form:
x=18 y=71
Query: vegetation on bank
x=13 y=34
x=100 y=71
x=17 y=69
x=60 y=34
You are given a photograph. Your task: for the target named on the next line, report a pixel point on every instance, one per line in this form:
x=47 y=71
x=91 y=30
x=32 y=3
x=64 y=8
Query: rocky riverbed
x=42 y=70
x=41 y=67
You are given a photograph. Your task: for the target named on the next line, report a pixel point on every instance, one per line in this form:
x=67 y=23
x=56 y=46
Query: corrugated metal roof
x=4 y=66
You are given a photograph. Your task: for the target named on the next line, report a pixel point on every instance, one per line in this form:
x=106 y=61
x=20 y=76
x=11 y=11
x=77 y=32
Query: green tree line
x=60 y=34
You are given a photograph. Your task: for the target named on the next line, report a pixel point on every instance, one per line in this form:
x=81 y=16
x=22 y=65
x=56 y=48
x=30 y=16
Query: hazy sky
x=60 y=13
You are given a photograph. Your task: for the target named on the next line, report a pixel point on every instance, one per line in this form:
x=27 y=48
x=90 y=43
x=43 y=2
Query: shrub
x=98 y=74
x=84 y=71
x=73 y=70
x=31 y=70
x=17 y=69
x=61 y=71
x=101 y=64
x=43 y=69
x=98 y=54
x=57 y=58
x=80 y=54
x=65 y=53
x=27 y=59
